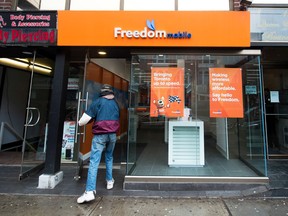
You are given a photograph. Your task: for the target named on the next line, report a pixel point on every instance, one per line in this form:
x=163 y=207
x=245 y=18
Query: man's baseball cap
x=106 y=88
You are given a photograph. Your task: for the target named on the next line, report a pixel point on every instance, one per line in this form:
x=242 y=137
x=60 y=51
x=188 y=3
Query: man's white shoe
x=110 y=184
x=87 y=196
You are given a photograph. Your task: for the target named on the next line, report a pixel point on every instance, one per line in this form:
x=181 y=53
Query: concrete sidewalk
x=125 y=206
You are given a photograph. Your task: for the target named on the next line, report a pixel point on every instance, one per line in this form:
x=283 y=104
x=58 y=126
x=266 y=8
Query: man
x=104 y=112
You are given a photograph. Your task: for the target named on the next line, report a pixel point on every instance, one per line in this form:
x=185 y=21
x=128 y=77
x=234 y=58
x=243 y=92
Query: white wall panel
x=149 y=5
x=203 y=5
x=52 y=5
x=95 y=5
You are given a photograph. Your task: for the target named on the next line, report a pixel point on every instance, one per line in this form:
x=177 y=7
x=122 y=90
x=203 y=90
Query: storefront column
x=52 y=174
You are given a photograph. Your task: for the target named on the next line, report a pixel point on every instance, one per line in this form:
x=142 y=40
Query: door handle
x=30 y=110
x=86 y=106
x=77 y=118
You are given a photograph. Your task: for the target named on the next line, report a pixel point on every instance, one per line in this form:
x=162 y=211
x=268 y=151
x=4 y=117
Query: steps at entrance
x=211 y=186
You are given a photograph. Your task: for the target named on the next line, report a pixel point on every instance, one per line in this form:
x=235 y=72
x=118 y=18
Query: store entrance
x=26 y=82
x=84 y=83
x=276 y=103
x=275 y=80
x=26 y=78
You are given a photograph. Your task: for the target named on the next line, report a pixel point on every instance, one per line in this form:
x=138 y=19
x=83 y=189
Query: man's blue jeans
x=99 y=142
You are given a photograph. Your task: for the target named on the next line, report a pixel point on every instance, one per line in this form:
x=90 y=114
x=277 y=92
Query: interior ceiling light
x=36 y=64
x=24 y=64
x=26 y=61
x=102 y=53
x=39 y=69
x=27 y=53
x=13 y=63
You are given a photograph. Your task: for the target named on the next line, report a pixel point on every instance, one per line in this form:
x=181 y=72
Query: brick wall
x=6 y=4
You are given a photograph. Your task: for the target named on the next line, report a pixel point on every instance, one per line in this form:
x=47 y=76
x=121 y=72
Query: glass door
x=36 y=121
x=251 y=132
x=276 y=104
x=79 y=104
x=91 y=78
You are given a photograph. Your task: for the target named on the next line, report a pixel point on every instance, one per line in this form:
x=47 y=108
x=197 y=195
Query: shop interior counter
x=186 y=143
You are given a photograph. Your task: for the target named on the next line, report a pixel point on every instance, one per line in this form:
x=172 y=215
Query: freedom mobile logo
x=150 y=32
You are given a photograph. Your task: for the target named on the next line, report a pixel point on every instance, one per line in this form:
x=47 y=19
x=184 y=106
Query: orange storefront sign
x=154 y=28
x=167 y=92
x=226 y=95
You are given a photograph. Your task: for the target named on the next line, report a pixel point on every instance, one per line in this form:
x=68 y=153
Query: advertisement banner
x=167 y=92
x=226 y=95
x=68 y=139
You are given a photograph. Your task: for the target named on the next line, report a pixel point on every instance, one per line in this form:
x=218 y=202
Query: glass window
x=95 y=5
x=52 y=5
x=160 y=5
x=196 y=115
x=269 y=24
x=206 y=5
x=270 y=2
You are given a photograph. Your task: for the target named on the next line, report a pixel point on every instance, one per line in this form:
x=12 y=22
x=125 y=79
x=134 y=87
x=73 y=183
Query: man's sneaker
x=87 y=196
x=110 y=184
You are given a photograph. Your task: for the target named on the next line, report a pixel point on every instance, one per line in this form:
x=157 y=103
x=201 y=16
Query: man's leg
x=98 y=144
x=109 y=157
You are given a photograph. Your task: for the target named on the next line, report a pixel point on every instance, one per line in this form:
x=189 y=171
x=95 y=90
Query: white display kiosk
x=186 y=143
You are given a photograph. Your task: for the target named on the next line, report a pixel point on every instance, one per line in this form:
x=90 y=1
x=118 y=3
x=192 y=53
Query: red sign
x=21 y=36
x=29 y=28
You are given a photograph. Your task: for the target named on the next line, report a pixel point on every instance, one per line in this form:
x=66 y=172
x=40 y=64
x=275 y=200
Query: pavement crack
x=96 y=206
x=226 y=207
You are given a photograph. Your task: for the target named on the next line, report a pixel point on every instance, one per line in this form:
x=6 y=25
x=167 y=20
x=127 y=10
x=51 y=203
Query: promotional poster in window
x=226 y=94
x=167 y=92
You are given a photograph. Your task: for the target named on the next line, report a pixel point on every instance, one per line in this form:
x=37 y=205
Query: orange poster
x=167 y=92
x=226 y=97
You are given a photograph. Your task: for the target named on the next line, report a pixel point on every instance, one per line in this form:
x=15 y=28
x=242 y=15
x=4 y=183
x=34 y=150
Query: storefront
x=190 y=90
x=269 y=33
x=28 y=41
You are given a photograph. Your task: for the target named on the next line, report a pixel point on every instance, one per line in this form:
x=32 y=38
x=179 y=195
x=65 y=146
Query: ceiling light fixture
x=27 y=53
x=24 y=64
x=102 y=53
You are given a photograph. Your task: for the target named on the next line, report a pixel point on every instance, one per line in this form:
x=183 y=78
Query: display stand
x=186 y=143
